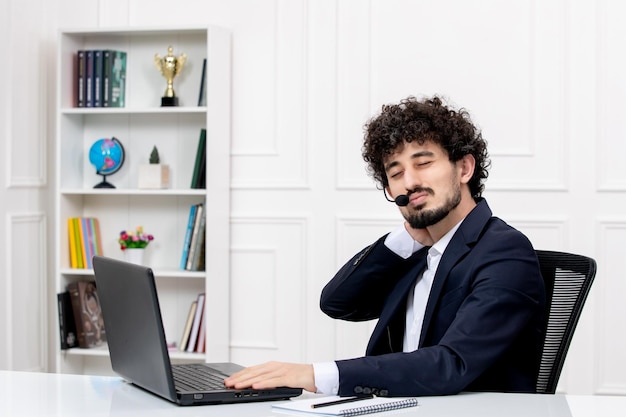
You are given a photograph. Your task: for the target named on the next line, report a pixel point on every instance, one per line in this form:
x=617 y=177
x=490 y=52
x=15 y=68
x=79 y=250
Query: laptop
x=138 y=350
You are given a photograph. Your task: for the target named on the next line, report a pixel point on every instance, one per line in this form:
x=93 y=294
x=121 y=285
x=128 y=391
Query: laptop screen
x=132 y=320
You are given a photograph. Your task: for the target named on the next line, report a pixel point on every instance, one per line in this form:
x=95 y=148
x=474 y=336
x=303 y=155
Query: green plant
x=134 y=240
x=154 y=156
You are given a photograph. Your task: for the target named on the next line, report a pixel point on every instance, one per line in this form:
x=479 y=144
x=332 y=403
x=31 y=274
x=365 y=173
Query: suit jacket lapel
x=387 y=334
x=455 y=250
x=461 y=243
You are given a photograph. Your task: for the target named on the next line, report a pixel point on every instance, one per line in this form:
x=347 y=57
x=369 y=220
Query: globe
x=107 y=155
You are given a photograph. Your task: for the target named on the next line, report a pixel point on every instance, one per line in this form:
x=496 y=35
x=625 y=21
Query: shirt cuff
x=326 y=378
x=400 y=242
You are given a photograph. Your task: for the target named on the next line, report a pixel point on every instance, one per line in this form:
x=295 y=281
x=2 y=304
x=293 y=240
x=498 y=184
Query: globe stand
x=104 y=183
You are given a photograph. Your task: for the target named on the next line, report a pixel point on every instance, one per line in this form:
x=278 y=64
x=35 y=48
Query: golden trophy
x=170 y=66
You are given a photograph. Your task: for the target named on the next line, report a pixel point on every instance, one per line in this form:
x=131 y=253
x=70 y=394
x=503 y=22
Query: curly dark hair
x=421 y=121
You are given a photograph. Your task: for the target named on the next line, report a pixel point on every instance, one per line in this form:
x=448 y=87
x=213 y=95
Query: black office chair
x=568 y=278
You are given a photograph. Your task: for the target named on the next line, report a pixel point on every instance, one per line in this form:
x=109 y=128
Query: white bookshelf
x=140 y=125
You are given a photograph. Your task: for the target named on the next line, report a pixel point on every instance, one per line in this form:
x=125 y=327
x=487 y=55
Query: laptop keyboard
x=197 y=377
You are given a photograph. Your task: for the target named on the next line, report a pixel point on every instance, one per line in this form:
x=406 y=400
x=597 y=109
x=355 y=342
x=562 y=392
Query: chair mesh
x=568 y=278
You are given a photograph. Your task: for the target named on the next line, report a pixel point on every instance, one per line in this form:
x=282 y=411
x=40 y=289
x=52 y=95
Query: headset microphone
x=402 y=200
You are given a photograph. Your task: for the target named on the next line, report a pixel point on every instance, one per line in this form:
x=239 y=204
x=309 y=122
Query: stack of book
x=193 y=247
x=85 y=241
x=194 y=336
x=80 y=316
x=100 y=78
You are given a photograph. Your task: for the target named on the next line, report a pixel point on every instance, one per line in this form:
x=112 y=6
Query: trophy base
x=169 y=101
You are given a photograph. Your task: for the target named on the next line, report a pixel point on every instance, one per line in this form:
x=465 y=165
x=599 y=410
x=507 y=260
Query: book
x=97 y=77
x=197 y=253
x=81 y=70
x=90 y=239
x=87 y=314
x=116 y=85
x=193 y=244
x=187 y=240
x=348 y=407
x=198 y=256
x=202 y=173
x=97 y=239
x=195 y=327
x=202 y=94
x=196 y=178
x=89 y=78
x=201 y=343
x=79 y=251
x=107 y=68
x=80 y=243
x=187 y=330
x=84 y=241
x=67 y=325
x=72 y=243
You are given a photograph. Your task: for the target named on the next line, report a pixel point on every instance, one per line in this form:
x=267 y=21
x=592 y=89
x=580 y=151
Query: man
x=458 y=294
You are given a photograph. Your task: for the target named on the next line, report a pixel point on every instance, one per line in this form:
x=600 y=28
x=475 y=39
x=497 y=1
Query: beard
x=420 y=219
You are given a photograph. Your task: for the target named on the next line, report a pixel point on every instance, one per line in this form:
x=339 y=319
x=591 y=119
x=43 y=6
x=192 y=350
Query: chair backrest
x=568 y=278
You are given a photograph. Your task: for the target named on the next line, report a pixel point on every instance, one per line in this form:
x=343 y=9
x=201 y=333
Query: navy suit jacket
x=484 y=320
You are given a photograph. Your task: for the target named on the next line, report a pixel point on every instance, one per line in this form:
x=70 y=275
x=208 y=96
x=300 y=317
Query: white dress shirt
x=416 y=304
x=401 y=243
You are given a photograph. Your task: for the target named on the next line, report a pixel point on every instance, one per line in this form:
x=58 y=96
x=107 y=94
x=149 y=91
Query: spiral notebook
x=357 y=408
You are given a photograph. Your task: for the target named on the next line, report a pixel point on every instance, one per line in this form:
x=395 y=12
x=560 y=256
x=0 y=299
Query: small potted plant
x=154 y=174
x=133 y=244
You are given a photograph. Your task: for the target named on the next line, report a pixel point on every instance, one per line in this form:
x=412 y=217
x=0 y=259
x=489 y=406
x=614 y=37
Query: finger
x=246 y=377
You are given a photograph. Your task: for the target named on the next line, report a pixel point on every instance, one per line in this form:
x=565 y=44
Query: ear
x=466 y=166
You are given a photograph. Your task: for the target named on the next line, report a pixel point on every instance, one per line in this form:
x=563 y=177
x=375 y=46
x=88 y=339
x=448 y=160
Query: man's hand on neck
x=420 y=235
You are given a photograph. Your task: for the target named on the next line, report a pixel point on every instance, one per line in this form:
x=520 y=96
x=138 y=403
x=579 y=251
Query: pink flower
x=137 y=239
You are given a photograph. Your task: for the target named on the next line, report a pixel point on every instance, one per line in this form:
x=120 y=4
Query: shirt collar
x=440 y=246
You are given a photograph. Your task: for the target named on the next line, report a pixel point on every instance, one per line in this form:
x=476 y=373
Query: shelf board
x=103 y=351
x=158 y=273
x=132 y=110
x=134 y=31
x=95 y=351
x=133 y=191
x=175 y=354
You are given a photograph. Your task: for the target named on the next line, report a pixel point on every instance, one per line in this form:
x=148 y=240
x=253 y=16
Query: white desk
x=39 y=394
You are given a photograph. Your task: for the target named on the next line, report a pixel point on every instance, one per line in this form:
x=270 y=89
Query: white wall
x=544 y=79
